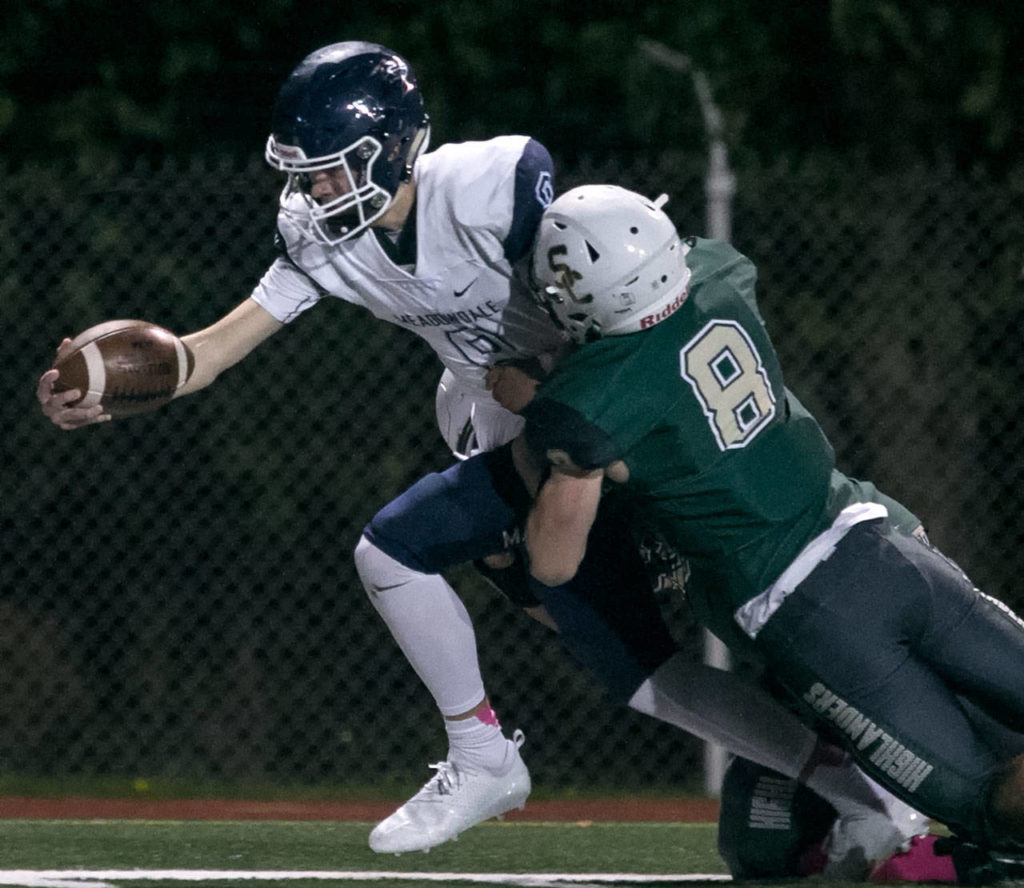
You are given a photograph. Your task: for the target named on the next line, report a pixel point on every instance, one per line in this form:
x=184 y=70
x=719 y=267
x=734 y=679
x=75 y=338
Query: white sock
x=479 y=743
x=430 y=624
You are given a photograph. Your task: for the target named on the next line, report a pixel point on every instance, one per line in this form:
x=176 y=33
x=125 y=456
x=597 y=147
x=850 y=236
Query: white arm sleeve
x=724 y=708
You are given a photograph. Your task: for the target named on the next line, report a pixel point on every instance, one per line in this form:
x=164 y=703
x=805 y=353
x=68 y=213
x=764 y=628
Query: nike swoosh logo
x=462 y=292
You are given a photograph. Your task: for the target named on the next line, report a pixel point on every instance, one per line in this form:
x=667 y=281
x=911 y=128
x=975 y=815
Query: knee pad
x=377 y=569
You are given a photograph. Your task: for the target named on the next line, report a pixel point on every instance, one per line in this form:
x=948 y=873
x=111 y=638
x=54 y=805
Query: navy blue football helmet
x=355 y=107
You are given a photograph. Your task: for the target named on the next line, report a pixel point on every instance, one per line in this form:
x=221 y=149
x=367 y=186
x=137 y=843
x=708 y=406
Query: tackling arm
x=560 y=521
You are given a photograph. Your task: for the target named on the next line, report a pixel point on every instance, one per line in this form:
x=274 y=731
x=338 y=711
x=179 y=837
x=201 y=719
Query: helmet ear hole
x=592 y=252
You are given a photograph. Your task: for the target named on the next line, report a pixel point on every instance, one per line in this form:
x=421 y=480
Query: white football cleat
x=452 y=801
x=859 y=843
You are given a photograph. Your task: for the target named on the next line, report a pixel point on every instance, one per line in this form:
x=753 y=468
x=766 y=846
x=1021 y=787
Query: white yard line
x=108 y=878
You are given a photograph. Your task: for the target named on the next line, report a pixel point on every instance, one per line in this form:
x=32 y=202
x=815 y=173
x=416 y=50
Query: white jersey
x=477 y=206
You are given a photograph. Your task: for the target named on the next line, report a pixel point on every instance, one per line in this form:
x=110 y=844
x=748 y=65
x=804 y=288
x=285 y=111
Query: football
x=127 y=366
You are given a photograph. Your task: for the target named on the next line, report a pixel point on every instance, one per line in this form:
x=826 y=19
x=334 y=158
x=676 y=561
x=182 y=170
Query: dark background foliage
x=892 y=80
x=177 y=594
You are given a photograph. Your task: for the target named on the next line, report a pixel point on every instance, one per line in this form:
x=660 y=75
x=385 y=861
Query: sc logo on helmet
x=566 y=276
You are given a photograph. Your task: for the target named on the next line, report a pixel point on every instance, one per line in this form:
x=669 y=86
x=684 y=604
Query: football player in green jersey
x=675 y=395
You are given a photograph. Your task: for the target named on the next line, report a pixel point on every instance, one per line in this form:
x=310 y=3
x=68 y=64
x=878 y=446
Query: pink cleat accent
x=919 y=864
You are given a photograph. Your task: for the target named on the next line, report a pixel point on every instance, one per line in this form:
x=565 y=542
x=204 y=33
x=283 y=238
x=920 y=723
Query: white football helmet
x=608 y=261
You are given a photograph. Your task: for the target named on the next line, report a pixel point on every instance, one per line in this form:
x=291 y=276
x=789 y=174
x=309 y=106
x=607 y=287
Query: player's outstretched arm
x=225 y=343
x=214 y=349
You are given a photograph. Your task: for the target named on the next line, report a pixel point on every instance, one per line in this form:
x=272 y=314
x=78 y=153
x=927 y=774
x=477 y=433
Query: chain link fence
x=177 y=595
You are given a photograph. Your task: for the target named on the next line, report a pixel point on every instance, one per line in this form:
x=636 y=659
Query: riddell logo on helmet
x=669 y=309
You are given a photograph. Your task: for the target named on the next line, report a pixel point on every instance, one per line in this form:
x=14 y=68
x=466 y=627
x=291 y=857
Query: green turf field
x=154 y=854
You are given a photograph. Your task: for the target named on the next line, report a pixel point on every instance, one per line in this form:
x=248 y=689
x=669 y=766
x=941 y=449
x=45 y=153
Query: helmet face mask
x=608 y=261
x=352 y=109
x=360 y=201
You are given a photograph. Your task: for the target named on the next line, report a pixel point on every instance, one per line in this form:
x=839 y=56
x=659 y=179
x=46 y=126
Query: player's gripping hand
x=55 y=405
x=510 y=386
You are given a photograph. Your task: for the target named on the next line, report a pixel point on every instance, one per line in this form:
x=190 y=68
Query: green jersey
x=734 y=473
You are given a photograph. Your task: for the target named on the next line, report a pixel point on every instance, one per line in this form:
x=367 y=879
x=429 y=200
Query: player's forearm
x=209 y=363
x=225 y=343
x=551 y=563
x=558 y=525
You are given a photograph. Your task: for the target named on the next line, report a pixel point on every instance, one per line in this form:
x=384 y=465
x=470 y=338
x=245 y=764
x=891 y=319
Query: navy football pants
x=877 y=643
x=607 y=616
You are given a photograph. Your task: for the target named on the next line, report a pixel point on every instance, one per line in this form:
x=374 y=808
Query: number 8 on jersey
x=728 y=377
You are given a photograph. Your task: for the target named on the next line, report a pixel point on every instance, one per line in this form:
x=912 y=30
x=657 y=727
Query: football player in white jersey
x=431 y=242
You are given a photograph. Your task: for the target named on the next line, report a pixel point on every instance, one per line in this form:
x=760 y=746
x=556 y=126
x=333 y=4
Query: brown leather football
x=127 y=366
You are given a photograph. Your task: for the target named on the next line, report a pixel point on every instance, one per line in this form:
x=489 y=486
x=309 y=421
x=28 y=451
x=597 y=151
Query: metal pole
x=719 y=188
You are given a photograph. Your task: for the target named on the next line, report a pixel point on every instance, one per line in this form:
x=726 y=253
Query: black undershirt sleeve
x=554 y=428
